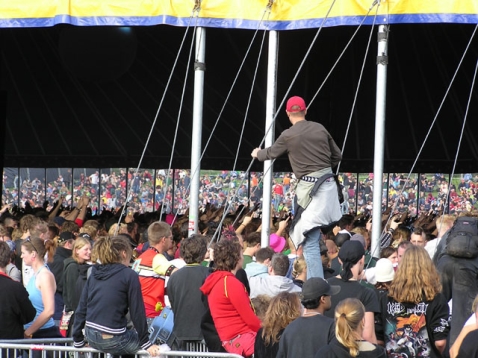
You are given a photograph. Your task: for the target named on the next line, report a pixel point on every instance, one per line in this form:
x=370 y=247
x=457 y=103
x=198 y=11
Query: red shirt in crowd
x=230 y=305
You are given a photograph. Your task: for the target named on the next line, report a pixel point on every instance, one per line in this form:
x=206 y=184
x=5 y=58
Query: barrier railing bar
x=37 y=346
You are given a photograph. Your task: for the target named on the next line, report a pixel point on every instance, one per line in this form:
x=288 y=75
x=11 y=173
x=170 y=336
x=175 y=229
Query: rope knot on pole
x=197 y=6
x=199 y=66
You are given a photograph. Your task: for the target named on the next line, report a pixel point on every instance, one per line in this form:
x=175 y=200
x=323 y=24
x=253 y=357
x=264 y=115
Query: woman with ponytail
x=112 y=290
x=349 y=325
x=41 y=287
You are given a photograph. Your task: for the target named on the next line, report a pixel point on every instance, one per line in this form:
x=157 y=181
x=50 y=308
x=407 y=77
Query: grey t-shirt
x=309 y=146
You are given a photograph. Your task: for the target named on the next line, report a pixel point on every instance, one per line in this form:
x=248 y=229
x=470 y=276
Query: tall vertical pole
x=380 y=106
x=269 y=139
x=199 y=69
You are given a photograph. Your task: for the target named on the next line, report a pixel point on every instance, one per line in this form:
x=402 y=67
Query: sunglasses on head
x=31 y=242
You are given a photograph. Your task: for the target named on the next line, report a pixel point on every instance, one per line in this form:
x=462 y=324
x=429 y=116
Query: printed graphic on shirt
x=136 y=267
x=406 y=332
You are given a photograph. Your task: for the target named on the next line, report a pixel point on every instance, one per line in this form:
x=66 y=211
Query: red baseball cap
x=295 y=101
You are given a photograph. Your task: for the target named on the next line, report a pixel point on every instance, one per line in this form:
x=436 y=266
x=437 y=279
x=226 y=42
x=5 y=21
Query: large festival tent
x=81 y=80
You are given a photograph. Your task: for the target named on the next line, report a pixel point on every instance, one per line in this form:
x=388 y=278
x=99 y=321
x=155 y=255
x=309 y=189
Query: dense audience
x=229 y=291
x=152 y=189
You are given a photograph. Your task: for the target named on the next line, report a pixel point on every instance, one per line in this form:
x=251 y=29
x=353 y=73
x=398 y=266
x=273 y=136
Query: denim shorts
x=126 y=343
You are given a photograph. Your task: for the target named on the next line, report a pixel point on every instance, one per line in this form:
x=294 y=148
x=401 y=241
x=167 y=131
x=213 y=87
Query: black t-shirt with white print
x=405 y=326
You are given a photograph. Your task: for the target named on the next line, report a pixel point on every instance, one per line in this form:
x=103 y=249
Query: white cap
x=384 y=271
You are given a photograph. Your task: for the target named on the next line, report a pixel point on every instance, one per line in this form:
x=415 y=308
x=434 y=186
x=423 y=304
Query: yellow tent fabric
x=245 y=14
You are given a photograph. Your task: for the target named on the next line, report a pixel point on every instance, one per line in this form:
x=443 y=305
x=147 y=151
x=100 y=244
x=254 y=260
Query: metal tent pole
x=199 y=69
x=379 y=145
x=269 y=139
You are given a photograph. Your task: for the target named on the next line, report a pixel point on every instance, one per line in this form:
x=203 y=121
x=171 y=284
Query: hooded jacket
x=256 y=269
x=271 y=285
x=108 y=294
x=230 y=305
x=70 y=275
x=82 y=277
x=57 y=266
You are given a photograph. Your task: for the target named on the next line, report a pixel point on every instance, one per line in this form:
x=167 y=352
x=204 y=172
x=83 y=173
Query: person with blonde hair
x=88 y=231
x=81 y=255
x=153 y=268
x=416 y=314
x=282 y=310
x=115 y=230
x=91 y=227
x=112 y=290
x=348 y=342
x=75 y=275
x=299 y=271
x=401 y=234
x=443 y=224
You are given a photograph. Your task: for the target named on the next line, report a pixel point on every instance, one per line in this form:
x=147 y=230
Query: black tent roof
x=87 y=97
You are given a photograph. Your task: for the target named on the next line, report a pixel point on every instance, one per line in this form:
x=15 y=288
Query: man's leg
x=312 y=254
x=322 y=210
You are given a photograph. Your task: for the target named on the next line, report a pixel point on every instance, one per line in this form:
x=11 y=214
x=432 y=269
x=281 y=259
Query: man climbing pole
x=312 y=155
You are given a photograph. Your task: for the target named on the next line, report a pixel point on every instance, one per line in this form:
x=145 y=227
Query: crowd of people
x=148 y=189
x=230 y=292
x=151 y=189
x=316 y=290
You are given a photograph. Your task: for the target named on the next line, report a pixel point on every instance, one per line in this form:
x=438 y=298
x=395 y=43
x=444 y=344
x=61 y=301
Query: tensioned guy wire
x=266 y=11
x=296 y=75
x=358 y=84
x=180 y=110
x=462 y=129
x=128 y=191
x=230 y=199
x=434 y=121
x=304 y=60
x=459 y=146
x=302 y=64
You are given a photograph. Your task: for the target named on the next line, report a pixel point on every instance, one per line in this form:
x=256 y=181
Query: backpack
x=162 y=326
x=462 y=240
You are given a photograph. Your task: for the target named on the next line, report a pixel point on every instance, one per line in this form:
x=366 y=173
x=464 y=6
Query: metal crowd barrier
x=62 y=348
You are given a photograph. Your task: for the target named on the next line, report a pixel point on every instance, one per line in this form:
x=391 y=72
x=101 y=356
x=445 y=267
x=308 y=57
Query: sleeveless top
x=36 y=299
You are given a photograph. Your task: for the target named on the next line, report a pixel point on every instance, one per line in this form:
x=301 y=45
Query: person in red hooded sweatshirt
x=231 y=309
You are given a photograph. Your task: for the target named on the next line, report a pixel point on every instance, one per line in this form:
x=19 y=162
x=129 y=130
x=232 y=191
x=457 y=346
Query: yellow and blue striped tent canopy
x=243 y=14
x=85 y=95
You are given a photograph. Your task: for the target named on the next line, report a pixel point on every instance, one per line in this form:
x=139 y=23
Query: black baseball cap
x=316 y=287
